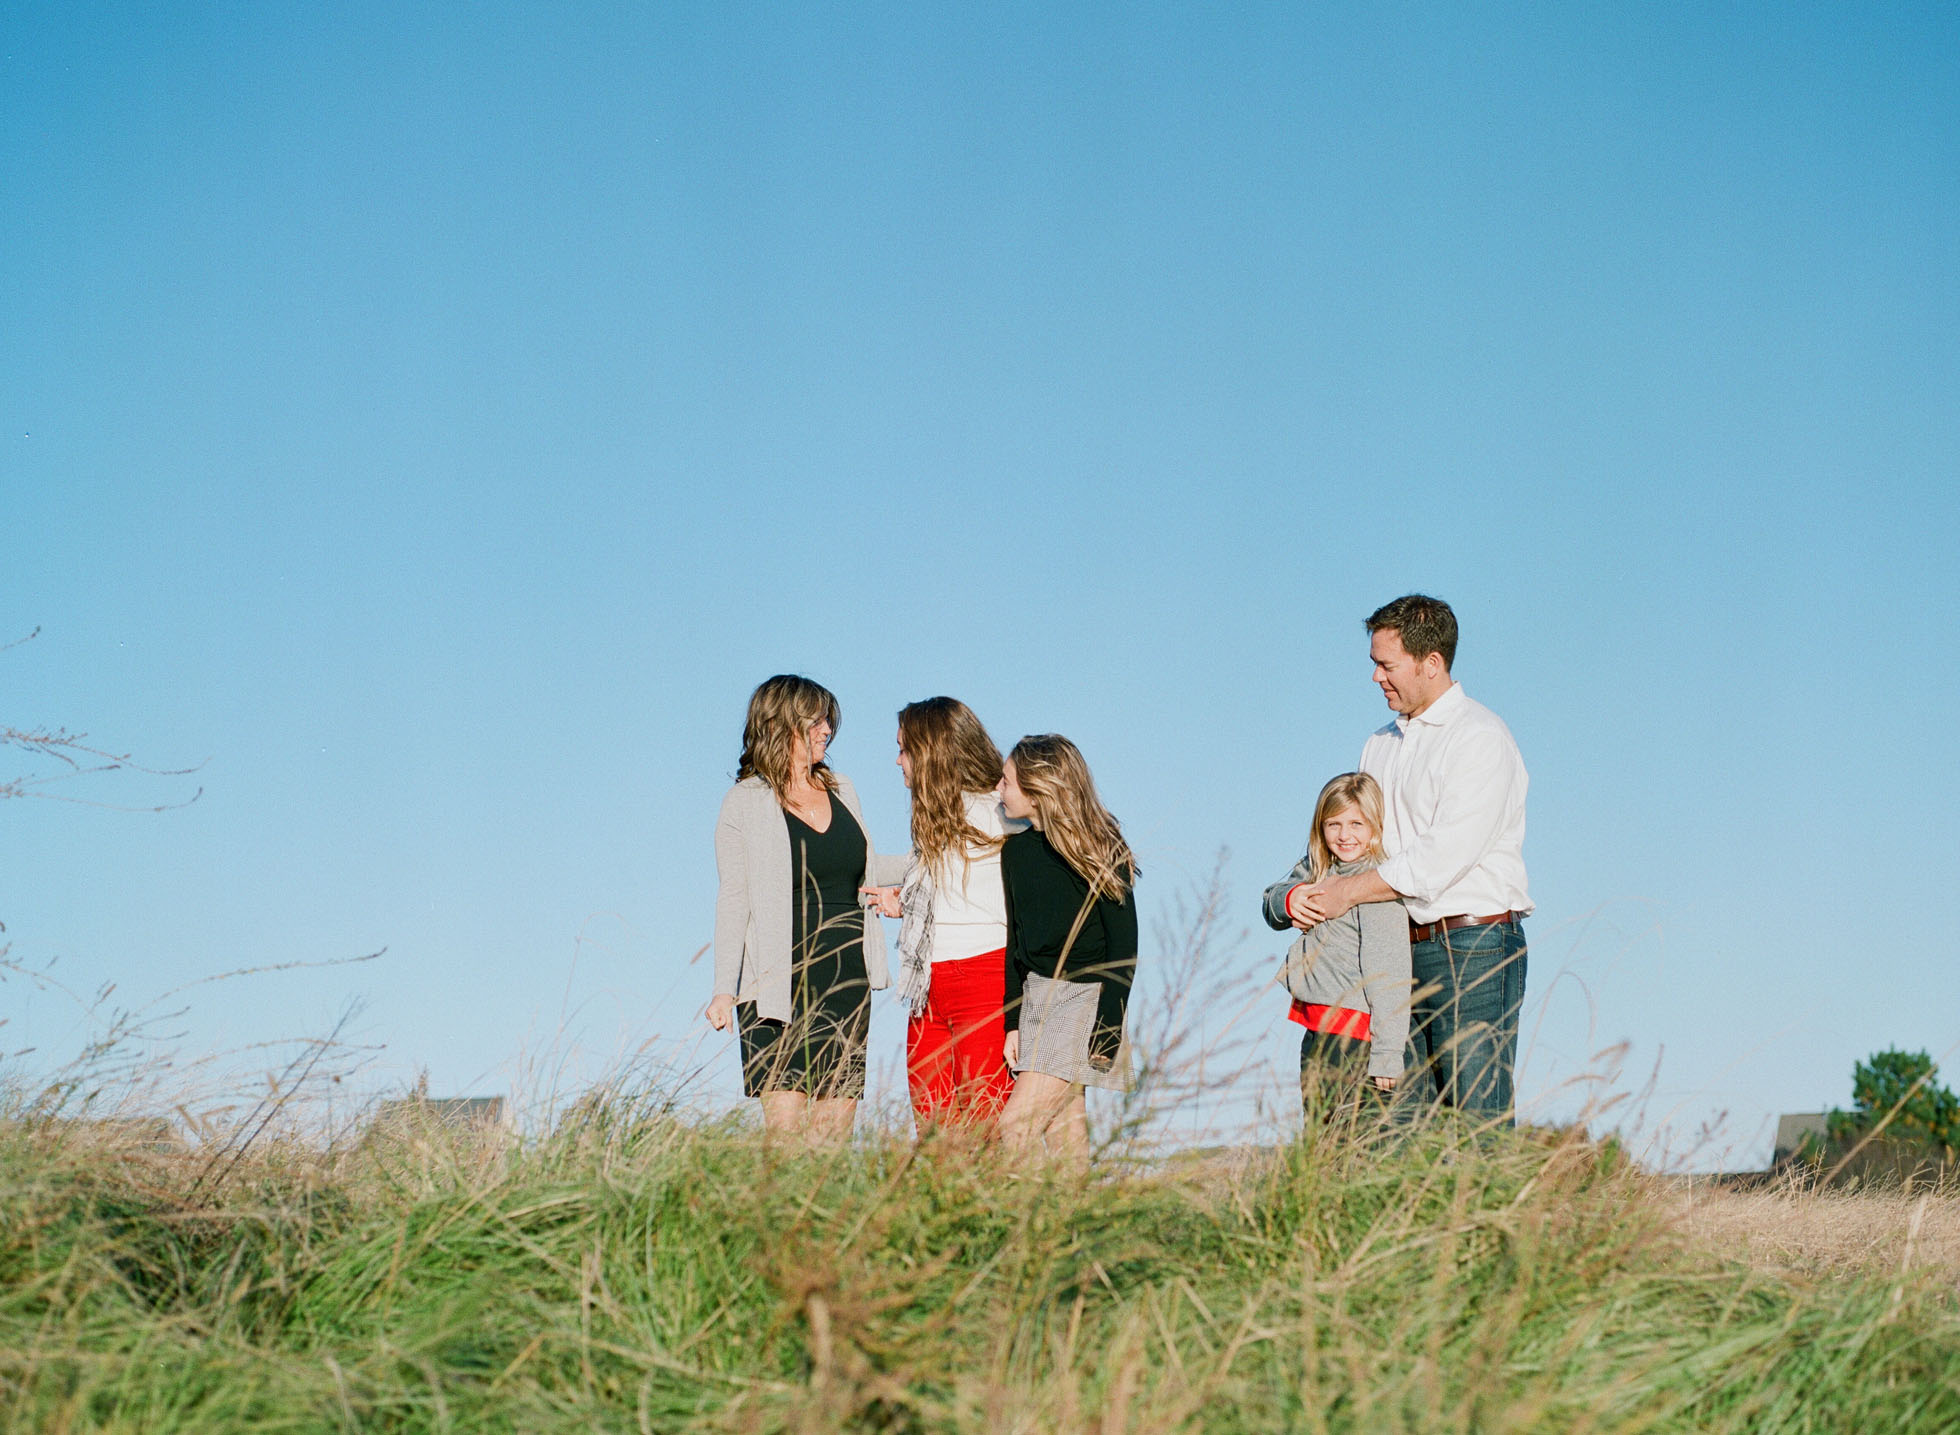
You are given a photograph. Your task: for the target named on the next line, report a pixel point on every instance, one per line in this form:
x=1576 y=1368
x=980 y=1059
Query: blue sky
x=437 y=420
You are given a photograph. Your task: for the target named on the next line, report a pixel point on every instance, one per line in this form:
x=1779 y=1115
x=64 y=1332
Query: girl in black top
x=1071 y=946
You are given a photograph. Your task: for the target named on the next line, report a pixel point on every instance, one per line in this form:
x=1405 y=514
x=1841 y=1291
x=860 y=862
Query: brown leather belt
x=1429 y=930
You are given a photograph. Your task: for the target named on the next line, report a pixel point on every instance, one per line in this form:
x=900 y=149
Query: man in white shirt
x=1453 y=786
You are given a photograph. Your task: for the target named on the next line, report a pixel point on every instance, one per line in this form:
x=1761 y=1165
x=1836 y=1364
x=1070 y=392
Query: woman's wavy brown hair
x=1050 y=770
x=779 y=709
x=1350 y=789
x=951 y=756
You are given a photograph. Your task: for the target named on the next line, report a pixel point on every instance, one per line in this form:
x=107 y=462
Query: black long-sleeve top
x=1044 y=894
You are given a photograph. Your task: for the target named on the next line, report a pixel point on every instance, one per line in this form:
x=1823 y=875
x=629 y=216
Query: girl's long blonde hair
x=1350 y=789
x=951 y=756
x=780 y=708
x=1050 y=770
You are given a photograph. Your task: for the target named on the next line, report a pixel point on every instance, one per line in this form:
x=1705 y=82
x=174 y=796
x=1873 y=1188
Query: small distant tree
x=1895 y=1093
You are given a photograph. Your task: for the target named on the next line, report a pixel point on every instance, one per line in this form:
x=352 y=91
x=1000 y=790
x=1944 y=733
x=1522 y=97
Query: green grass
x=634 y=1271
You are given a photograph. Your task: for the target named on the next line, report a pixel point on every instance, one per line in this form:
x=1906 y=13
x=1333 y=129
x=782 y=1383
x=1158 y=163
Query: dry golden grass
x=1825 y=1232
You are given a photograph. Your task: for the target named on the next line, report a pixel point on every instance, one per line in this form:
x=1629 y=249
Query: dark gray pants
x=1463 y=1033
x=1334 y=1079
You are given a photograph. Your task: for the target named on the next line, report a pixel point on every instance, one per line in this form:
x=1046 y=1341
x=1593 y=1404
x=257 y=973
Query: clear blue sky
x=440 y=418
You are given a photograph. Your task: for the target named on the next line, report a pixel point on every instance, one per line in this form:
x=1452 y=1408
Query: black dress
x=820 y=1050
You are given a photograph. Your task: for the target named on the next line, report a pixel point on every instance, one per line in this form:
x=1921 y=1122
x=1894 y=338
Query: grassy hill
x=635 y=1271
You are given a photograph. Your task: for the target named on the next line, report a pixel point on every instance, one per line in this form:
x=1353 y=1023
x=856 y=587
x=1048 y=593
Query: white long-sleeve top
x=1453 y=784
x=969 y=906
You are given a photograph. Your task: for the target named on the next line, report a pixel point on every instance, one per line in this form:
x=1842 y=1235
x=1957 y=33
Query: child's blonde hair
x=1350 y=789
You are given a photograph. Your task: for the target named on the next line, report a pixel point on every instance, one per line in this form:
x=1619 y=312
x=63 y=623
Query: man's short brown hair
x=1425 y=625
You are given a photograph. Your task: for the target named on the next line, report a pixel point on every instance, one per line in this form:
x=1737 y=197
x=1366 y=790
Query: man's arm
x=1478 y=773
x=1323 y=901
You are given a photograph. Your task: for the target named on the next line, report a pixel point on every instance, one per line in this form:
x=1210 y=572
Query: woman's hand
x=882 y=900
x=1011 y=1048
x=720 y=1011
x=1383 y=1083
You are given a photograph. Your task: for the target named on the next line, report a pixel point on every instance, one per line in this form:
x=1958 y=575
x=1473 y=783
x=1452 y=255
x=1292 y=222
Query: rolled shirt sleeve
x=887 y=869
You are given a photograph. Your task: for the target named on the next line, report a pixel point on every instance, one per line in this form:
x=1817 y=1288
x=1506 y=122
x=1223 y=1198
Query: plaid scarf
x=915 y=936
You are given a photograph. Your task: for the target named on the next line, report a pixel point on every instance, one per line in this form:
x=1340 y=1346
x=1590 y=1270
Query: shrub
x=1895 y=1092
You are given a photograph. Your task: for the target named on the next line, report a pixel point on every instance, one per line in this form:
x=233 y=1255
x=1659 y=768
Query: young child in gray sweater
x=1349 y=976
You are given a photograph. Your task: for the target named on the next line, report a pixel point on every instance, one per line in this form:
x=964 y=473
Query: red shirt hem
x=1334 y=1020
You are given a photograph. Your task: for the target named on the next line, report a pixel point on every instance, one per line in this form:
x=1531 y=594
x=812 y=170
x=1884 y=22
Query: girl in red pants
x=953 y=941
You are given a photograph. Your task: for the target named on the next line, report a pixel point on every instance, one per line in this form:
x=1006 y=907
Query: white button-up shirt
x=1453 y=785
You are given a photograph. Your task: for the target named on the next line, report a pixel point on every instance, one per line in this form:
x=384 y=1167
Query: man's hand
x=1322 y=902
x=1296 y=907
x=1327 y=900
x=1011 y=1048
x=1334 y=896
x=721 y=1011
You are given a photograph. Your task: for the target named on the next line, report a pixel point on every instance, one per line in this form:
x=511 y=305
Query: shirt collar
x=1439 y=712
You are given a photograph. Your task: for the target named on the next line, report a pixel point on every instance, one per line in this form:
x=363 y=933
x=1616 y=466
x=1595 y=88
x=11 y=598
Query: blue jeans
x=1463 y=1024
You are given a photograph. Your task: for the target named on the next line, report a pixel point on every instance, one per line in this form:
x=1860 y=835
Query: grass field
x=633 y=1270
x=1829 y=1233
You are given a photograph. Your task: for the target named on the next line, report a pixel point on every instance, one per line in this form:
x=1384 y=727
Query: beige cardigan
x=753 y=921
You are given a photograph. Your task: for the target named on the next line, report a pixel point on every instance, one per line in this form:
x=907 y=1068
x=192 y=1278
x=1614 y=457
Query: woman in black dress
x=796 y=952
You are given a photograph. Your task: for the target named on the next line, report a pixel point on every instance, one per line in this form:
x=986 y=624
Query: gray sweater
x=1358 y=960
x=753 y=919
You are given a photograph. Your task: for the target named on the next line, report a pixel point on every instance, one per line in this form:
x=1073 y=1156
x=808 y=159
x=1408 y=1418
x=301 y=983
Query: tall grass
x=632 y=1264
x=634 y=1269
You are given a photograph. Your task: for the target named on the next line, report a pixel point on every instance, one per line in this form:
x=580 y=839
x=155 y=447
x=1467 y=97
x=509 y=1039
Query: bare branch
x=77 y=757
x=19 y=787
x=269 y=967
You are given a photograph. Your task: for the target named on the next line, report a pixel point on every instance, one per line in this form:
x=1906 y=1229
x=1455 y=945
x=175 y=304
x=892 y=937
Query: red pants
x=952 y=1048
